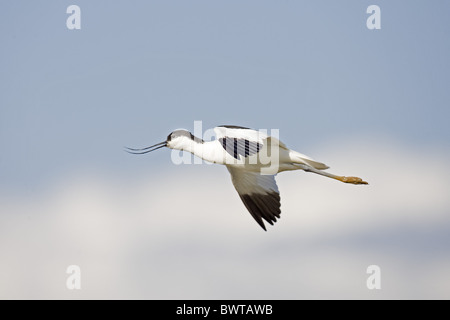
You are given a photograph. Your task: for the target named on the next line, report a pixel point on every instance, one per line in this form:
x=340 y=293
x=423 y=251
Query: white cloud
x=187 y=235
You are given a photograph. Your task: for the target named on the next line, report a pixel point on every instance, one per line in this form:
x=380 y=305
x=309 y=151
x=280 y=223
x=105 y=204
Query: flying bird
x=253 y=159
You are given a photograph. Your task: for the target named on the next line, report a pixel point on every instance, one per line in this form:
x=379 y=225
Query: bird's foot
x=353 y=180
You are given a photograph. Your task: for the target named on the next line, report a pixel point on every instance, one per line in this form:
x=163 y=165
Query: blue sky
x=138 y=70
x=133 y=73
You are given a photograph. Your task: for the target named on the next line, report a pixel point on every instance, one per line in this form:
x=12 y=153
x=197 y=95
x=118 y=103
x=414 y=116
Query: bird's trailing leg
x=353 y=180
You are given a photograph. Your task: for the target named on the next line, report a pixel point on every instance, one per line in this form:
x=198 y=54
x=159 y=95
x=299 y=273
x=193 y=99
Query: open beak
x=146 y=150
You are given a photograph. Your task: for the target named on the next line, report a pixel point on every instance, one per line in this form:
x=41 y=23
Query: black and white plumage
x=259 y=193
x=253 y=159
x=239 y=147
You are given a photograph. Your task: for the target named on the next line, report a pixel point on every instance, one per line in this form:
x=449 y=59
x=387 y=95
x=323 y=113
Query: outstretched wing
x=259 y=193
x=240 y=141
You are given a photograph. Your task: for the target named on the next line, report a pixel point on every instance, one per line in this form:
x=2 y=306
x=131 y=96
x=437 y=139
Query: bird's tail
x=297 y=157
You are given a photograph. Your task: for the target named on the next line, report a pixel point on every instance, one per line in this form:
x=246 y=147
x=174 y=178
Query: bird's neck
x=205 y=150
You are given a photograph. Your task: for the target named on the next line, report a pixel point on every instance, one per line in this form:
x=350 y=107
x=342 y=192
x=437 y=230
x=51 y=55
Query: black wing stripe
x=247 y=148
x=240 y=147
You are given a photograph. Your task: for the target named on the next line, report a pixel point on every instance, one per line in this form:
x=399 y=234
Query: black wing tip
x=261 y=223
x=263 y=206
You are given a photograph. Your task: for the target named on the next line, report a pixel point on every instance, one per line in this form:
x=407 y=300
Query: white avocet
x=253 y=159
